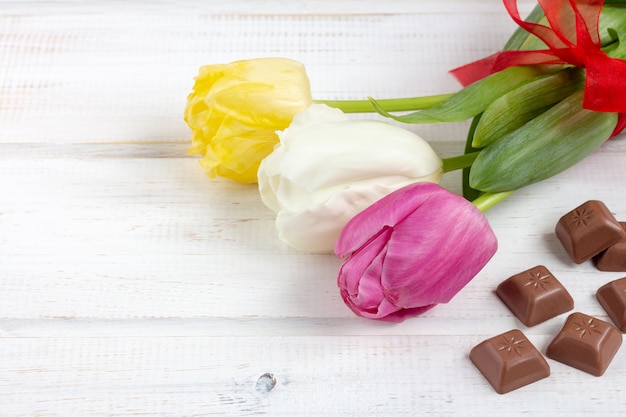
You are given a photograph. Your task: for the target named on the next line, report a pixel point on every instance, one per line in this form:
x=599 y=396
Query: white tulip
x=327 y=168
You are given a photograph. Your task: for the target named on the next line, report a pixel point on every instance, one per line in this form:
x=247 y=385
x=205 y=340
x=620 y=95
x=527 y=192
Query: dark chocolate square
x=614 y=258
x=509 y=361
x=588 y=230
x=612 y=297
x=535 y=296
x=585 y=343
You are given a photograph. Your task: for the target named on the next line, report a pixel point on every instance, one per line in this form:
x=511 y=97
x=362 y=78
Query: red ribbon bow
x=572 y=38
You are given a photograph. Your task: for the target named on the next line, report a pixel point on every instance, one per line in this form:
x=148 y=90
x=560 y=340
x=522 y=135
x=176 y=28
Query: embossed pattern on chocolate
x=535 y=296
x=588 y=230
x=614 y=258
x=585 y=343
x=612 y=297
x=509 y=361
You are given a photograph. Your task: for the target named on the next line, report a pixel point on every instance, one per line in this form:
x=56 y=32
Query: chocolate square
x=588 y=230
x=614 y=258
x=509 y=361
x=535 y=296
x=612 y=297
x=585 y=343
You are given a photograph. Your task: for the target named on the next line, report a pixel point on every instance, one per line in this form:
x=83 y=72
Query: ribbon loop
x=573 y=38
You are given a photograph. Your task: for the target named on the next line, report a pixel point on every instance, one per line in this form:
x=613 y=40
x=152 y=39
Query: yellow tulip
x=235 y=109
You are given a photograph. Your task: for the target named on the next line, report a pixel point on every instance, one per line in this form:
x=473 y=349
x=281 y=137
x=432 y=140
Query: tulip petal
x=436 y=243
x=360 y=278
x=360 y=284
x=309 y=226
x=235 y=109
x=328 y=168
x=315 y=114
x=433 y=256
x=355 y=151
x=385 y=212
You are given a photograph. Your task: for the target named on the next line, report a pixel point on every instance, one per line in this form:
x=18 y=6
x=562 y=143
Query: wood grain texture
x=132 y=285
x=348 y=376
x=92 y=71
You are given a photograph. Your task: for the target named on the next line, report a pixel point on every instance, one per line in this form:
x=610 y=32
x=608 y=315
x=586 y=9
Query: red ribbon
x=572 y=38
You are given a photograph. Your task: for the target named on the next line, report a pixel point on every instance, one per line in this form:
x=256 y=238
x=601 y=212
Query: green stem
x=394 y=104
x=459 y=162
x=488 y=200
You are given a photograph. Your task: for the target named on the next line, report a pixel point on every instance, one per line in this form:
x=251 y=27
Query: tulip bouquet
x=369 y=190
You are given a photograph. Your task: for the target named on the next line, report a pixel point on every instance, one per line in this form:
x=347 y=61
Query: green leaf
x=529 y=100
x=471 y=100
x=520 y=37
x=612 y=25
x=393 y=104
x=470 y=193
x=543 y=147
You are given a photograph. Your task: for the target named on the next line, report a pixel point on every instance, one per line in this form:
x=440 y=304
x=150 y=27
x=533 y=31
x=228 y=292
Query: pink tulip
x=411 y=250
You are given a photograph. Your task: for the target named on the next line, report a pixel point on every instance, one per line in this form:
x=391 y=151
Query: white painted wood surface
x=131 y=284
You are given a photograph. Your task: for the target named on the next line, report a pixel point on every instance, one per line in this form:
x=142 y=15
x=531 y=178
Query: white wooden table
x=131 y=284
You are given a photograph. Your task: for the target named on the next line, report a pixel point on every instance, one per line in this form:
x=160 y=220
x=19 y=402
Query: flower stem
x=394 y=104
x=459 y=162
x=488 y=200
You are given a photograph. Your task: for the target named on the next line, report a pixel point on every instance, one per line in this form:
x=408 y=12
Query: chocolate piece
x=614 y=258
x=585 y=343
x=588 y=230
x=535 y=296
x=612 y=298
x=509 y=361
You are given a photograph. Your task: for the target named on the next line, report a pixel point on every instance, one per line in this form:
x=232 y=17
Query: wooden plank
x=346 y=376
x=153 y=237
x=131 y=284
x=90 y=72
x=350 y=7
